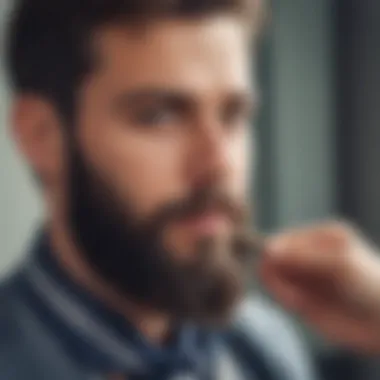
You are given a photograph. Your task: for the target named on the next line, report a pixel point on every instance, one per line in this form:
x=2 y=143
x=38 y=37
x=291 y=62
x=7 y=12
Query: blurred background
x=318 y=138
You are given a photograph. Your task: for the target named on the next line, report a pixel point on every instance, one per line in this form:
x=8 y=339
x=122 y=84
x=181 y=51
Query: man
x=134 y=116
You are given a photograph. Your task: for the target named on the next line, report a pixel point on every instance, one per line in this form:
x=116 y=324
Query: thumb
x=301 y=255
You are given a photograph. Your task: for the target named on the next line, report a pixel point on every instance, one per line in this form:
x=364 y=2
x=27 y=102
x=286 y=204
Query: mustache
x=203 y=201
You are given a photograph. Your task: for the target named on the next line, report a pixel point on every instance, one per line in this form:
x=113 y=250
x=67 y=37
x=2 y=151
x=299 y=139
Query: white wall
x=19 y=203
x=303 y=119
x=303 y=111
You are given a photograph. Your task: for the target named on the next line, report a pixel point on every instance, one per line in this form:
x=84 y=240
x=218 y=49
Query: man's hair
x=49 y=50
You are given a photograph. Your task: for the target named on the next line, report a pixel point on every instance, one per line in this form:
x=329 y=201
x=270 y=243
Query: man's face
x=159 y=172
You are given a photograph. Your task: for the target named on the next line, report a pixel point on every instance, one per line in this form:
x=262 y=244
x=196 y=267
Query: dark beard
x=131 y=256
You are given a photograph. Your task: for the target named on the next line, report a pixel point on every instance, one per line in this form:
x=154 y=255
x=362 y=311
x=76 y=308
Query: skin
x=330 y=275
x=166 y=110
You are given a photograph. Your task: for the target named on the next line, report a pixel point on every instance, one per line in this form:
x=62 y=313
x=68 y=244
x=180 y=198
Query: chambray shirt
x=51 y=328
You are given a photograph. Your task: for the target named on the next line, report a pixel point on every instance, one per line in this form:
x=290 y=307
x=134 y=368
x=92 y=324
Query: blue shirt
x=51 y=325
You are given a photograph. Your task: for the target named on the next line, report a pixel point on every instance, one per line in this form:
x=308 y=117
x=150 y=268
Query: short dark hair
x=48 y=42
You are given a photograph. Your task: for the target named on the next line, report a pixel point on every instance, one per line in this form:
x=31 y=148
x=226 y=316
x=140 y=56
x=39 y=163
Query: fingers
x=325 y=236
x=330 y=276
x=313 y=249
x=304 y=265
x=290 y=295
x=295 y=289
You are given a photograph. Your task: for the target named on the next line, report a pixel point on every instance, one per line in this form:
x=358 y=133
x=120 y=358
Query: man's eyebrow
x=180 y=97
x=157 y=94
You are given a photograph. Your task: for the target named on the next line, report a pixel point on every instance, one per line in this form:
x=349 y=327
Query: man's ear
x=37 y=131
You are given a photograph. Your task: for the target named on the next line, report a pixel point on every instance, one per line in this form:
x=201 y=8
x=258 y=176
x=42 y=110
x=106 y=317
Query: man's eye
x=155 y=116
x=235 y=118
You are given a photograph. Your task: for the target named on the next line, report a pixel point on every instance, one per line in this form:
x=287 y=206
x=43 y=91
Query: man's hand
x=330 y=276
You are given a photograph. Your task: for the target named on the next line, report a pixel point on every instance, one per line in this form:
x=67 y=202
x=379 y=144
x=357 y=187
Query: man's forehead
x=190 y=55
x=217 y=23
x=171 y=39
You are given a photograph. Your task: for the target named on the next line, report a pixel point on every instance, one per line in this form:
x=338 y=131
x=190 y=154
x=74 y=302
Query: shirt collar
x=93 y=334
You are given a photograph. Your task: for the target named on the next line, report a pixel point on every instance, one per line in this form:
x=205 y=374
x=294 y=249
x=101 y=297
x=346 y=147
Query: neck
x=154 y=326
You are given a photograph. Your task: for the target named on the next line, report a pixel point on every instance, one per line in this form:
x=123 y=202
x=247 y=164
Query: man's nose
x=209 y=160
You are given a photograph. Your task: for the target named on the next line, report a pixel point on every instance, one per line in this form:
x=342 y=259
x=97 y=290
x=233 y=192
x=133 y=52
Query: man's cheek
x=242 y=182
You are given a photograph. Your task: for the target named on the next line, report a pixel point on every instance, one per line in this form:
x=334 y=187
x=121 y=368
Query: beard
x=130 y=254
